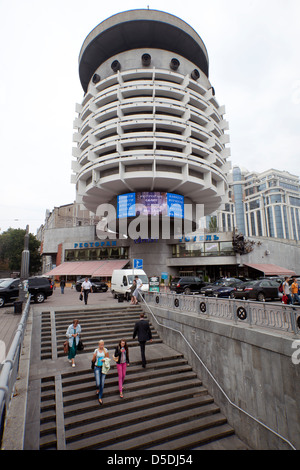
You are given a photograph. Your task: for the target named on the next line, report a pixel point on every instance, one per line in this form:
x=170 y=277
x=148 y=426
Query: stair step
x=218 y=431
x=191 y=386
x=159 y=416
x=129 y=436
x=139 y=386
x=125 y=407
x=144 y=438
x=133 y=375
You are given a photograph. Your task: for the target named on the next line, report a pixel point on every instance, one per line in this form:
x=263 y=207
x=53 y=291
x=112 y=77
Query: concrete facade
x=253 y=367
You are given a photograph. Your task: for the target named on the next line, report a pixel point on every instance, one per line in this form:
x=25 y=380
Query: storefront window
x=201 y=249
x=226 y=249
x=211 y=249
x=96 y=254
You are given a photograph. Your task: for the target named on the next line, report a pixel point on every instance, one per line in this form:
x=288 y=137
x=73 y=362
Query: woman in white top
x=98 y=357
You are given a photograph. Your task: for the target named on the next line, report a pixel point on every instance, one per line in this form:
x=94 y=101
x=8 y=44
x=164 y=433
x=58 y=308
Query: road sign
x=137 y=264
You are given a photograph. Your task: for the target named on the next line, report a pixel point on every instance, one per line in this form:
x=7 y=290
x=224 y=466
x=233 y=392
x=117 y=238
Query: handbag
x=80 y=346
x=66 y=346
x=81 y=297
x=92 y=365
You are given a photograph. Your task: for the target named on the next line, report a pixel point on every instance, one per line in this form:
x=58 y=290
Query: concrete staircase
x=165 y=406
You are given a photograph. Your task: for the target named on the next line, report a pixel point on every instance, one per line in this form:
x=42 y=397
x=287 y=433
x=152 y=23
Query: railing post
x=293 y=313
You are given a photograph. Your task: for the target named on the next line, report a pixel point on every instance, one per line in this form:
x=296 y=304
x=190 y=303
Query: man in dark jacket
x=143 y=332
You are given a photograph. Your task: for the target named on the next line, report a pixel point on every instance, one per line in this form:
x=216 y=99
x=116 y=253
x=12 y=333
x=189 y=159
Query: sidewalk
x=71 y=298
x=9 y=320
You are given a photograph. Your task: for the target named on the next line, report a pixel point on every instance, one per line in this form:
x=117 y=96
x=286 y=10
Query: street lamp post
x=24 y=266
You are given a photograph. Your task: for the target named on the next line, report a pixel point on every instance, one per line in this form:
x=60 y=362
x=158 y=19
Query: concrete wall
x=254 y=369
x=53 y=237
x=284 y=253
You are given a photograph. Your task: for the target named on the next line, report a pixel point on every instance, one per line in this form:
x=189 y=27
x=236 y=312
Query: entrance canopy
x=271 y=269
x=102 y=268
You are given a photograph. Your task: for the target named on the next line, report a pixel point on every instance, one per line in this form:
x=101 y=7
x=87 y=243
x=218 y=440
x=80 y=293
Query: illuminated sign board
x=150 y=203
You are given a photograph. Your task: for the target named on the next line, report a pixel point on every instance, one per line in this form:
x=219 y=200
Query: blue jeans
x=296 y=297
x=100 y=379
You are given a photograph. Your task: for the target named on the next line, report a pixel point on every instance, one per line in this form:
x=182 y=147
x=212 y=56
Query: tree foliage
x=12 y=245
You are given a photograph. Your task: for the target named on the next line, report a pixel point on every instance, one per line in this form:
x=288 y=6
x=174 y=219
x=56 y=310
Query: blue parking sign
x=138 y=264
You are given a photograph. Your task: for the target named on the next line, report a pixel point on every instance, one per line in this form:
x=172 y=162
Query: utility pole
x=24 y=266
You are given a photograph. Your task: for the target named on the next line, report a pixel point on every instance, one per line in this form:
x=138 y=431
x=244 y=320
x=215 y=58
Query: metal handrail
x=216 y=382
x=9 y=371
x=275 y=316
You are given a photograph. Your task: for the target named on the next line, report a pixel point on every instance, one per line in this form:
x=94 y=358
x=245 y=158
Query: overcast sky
x=253 y=48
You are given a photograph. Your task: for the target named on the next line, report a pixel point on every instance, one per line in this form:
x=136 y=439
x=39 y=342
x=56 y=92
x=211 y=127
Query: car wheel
x=261 y=297
x=39 y=298
x=2 y=302
x=187 y=291
x=231 y=295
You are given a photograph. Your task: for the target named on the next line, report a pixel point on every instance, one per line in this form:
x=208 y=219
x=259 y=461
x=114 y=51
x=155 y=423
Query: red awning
x=271 y=269
x=102 y=268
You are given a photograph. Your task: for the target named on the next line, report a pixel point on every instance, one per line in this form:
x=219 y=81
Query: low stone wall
x=254 y=368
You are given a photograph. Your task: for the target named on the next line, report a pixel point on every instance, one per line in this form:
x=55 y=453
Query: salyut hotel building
x=150 y=131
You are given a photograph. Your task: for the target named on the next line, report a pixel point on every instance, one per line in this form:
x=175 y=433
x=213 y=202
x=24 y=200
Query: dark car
x=210 y=289
x=228 y=288
x=187 y=284
x=257 y=290
x=97 y=284
x=39 y=287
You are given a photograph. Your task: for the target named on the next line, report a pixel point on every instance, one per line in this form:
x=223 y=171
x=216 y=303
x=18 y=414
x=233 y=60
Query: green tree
x=12 y=245
x=213 y=224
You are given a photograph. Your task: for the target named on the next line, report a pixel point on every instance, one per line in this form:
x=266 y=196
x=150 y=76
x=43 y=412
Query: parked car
x=97 y=284
x=210 y=289
x=228 y=289
x=38 y=287
x=258 y=290
x=278 y=279
x=187 y=284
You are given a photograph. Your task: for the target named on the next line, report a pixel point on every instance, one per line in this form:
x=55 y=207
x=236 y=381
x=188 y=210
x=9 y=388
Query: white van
x=122 y=280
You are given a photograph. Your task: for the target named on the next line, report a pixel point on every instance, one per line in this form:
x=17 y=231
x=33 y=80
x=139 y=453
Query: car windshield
x=220 y=282
x=6 y=282
x=231 y=283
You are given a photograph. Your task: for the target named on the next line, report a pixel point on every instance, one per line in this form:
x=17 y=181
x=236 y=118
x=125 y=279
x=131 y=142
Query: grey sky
x=253 y=48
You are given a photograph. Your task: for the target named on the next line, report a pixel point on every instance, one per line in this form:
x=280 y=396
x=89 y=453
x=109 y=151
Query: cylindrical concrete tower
x=149 y=120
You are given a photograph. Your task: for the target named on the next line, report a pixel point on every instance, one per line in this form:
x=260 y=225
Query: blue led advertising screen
x=147 y=203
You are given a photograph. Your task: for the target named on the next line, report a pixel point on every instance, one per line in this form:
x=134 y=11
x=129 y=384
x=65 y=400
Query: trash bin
x=18 y=306
x=120 y=297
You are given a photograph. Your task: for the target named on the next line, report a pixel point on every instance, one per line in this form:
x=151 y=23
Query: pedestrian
x=295 y=289
x=73 y=333
x=121 y=357
x=287 y=289
x=143 y=332
x=62 y=286
x=132 y=289
x=136 y=292
x=98 y=358
x=86 y=288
